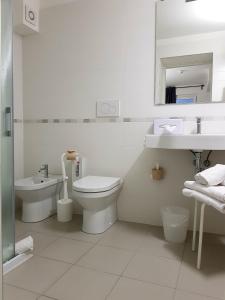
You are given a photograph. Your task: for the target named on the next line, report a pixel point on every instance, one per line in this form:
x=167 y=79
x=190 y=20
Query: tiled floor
x=128 y=262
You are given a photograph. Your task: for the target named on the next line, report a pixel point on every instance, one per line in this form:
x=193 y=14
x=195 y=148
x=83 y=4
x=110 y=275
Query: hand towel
x=220 y=206
x=211 y=176
x=217 y=192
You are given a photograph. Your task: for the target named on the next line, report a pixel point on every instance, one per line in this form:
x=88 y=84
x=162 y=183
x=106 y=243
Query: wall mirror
x=190 y=52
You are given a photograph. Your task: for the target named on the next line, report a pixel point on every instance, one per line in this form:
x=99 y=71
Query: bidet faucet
x=198 y=123
x=44 y=170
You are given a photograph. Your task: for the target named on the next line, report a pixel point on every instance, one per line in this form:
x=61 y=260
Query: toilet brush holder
x=64 y=210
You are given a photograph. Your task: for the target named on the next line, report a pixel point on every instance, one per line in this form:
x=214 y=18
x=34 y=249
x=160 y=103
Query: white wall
x=49 y=3
x=18 y=106
x=92 y=50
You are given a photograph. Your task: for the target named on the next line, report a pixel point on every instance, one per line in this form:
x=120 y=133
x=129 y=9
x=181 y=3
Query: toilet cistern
x=44 y=170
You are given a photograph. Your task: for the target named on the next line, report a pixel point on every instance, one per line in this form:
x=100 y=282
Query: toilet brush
x=65 y=205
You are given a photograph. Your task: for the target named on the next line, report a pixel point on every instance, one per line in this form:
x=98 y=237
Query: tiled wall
x=97 y=50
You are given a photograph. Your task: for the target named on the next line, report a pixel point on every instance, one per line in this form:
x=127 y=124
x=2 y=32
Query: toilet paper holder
x=157 y=172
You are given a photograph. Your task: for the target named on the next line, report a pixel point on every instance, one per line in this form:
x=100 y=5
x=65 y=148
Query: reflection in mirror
x=186 y=79
x=190 y=52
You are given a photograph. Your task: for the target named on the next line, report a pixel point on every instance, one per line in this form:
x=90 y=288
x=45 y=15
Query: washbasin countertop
x=186 y=141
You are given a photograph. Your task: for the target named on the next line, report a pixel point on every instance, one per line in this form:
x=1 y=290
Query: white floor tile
x=212 y=253
x=124 y=235
x=106 y=259
x=21 y=228
x=155 y=244
x=52 y=227
x=209 y=281
x=83 y=284
x=150 y=267
x=41 y=241
x=37 y=274
x=181 y=295
x=153 y=269
x=79 y=235
x=127 y=289
x=66 y=250
x=13 y=293
x=45 y=298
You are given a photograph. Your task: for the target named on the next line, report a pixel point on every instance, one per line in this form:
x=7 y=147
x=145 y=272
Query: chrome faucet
x=199 y=127
x=44 y=170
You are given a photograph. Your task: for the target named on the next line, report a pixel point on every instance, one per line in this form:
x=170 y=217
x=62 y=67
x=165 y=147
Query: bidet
x=38 y=196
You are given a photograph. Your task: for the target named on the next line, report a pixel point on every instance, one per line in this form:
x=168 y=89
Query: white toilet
x=97 y=196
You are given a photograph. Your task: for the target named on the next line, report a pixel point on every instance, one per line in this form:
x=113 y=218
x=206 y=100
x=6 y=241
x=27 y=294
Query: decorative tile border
x=86 y=120
x=111 y=120
x=18 y=121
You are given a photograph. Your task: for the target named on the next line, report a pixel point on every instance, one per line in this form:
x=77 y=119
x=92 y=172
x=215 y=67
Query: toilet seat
x=96 y=184
x=92 y=196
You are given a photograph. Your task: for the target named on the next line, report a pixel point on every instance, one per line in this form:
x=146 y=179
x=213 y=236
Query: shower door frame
x=6 y=130
x=7 y=133
x=1 y=264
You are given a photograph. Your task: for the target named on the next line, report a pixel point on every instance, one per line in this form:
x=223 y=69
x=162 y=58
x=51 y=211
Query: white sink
x=186 y=142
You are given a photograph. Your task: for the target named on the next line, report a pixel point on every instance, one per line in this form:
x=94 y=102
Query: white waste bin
x=175 y=223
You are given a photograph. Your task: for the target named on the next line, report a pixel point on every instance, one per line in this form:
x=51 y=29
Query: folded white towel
x=211 y=176
x=217 y=192
x=220 y=206
x=24 y=245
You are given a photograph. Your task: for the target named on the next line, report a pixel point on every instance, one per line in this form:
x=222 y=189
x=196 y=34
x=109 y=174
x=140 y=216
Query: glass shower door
x=7 y=171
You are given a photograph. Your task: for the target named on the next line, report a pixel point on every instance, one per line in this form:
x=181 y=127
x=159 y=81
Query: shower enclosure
x=7 y=170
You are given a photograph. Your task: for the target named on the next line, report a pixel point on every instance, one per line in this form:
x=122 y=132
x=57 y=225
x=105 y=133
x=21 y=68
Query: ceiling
x=179 y=18
x=49 y=3
x=187 y=76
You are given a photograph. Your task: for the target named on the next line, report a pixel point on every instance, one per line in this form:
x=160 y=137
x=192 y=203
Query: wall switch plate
x=108 y=108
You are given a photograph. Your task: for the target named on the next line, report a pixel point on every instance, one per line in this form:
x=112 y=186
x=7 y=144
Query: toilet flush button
x=108 y=108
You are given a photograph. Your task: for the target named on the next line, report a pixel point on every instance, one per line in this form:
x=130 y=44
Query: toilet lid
x=94 y=184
